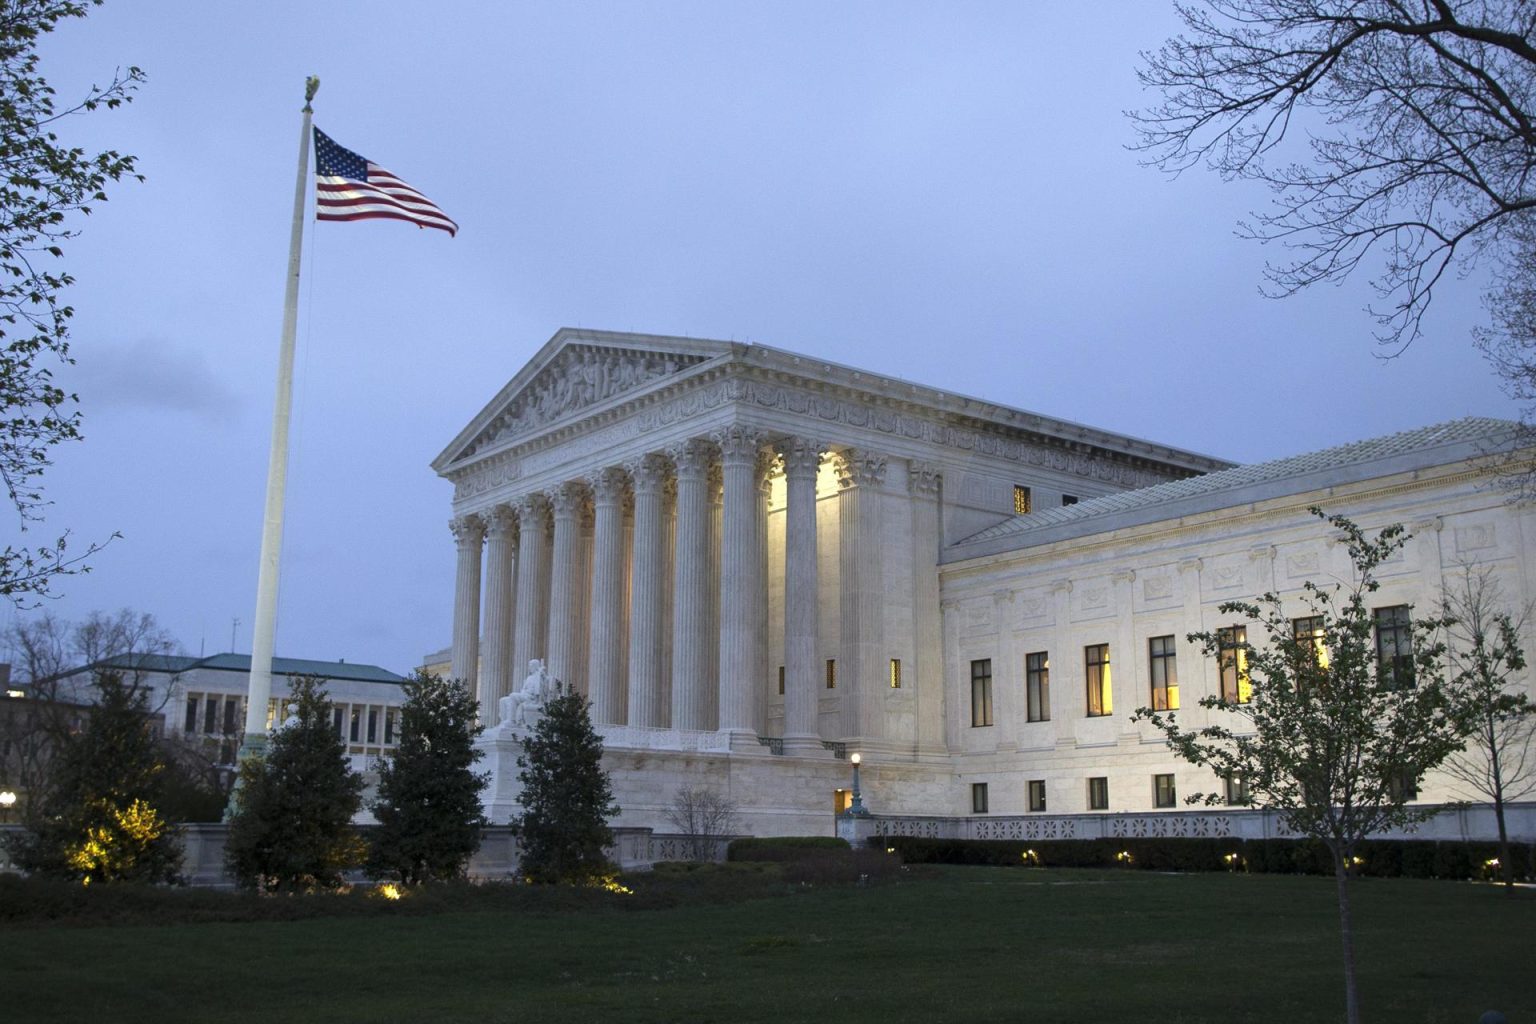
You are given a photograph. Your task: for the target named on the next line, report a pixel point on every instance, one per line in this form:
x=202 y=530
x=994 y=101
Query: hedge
x=1382 y=858
x=786 y=848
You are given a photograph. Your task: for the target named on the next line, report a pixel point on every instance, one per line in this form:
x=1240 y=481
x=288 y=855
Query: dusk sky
x=938 y=192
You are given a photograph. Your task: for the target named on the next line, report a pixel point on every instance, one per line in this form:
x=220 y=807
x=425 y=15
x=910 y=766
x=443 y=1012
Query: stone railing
x=702 y=740
x=1452 y=822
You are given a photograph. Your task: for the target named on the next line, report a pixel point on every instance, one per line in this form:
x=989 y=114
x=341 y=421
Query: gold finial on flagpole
x=311 y=86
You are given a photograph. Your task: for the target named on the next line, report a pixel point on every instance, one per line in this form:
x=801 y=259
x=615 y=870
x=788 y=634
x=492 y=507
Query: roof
x=1395 y=453
x=176 y=664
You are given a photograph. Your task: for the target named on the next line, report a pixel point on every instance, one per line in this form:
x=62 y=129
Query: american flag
x=348 y=187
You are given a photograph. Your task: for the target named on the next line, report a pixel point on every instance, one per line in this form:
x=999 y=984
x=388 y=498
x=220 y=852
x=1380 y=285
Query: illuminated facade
x=755 y=563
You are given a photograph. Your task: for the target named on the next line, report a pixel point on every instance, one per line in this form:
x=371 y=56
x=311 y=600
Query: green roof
x=241 y=663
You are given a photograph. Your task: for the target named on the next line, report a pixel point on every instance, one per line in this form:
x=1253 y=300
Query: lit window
x=1100 y=689
x=978 y=798
x=895 y=673
x=1163 y=654
x=1037 y=686
x=1236 y=791
x=1163 y=794
x=1394 y=646
x=1232 y=642
x=981 y=692
x=831 y=673
x=1310 y=627
x=1036 y=794
x=1098 y=793
x=1021 y=500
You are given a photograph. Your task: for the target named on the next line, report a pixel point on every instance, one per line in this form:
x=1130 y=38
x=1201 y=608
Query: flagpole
x=264 y=625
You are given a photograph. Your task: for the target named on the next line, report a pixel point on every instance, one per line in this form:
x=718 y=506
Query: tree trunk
x=1346 y=932
x=1506 y=865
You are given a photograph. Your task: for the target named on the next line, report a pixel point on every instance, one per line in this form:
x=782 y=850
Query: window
x=338 y=716
x=1098 y=793
x=357 y=724
x=895 y=673
x=191 y=714
x=210 y=715
x=1037 y=686
x=781 y=680
x=981 y=692
x=391 y=717
x=1021 y=501
x=1310 y=627
x=231 y=709
x=1037 y=794
x=1163 y=653
x=1163 y=794
x=1236 y=790
x=1405 y=786
x=1096 y=668
x=373 y=724
x=1068 y=499
x=832 y=674
x=1232 y=642
x=1394 y=646
x=978 y=798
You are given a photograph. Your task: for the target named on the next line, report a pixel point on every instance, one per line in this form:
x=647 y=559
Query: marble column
x=532 y=572
x=802 y=459
x=692 y=675
x=741 y=584
x=861 y=592
x=765 y=659
x=605 y=653
x=649 y=476
x=714 y=517
x=468 y=536
x=568 y=581
x=500 y=558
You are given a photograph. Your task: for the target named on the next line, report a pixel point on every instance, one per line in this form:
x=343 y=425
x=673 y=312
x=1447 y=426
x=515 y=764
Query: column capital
x=859 y=468
x=608 y=486
x=738 y=444
x=568 y=499
x=767 y=464
x=691 y=459
x=468 y=530
x=802 y=457
x=500 y=523
x=531 y=505
x=924 y=479
x=648 y=473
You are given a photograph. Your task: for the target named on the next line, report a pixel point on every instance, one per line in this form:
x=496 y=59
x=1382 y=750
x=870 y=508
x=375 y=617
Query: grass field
x=960 y=944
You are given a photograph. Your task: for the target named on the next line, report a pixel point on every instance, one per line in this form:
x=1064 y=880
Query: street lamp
x=7 y=801
x=856 y=809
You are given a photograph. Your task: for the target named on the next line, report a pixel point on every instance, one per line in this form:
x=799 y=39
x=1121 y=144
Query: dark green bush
x=784 y=848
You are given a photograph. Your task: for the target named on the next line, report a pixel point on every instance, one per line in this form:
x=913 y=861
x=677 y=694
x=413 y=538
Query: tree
x=97 y=819
x=45 y=648
x=704 y=816
x=43 y=183
x=566 y=797
x=1418 y=116
x=1485 y=657
x=428 y=803
x=292 y=826
x=1336 y=733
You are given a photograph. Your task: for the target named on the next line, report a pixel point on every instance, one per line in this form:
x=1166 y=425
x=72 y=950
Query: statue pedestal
x=500 y=748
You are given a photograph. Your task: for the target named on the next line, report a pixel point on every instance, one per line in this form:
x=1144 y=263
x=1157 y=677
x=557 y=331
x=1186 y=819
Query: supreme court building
x=756 y=563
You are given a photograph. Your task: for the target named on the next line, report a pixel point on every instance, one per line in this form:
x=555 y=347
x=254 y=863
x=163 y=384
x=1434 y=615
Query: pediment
x=575 y=373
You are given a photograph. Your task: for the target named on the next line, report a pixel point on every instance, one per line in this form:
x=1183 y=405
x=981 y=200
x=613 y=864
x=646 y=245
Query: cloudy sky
x=939 y=192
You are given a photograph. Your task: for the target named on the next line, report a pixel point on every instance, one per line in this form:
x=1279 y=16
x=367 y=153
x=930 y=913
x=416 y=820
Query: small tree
x=292 y=826
x=1485 y=657
x=704 y=816
x=96 y=820
x=429 y=794
x=1335 y=737
x=566 y=797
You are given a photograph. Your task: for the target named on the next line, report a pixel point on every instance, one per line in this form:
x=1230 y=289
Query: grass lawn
x=962 y=944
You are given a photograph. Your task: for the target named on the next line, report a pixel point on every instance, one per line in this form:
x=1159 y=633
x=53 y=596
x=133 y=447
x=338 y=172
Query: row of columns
x=645 y=586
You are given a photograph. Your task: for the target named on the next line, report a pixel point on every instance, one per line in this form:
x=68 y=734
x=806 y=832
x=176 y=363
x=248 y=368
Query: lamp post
x=857 y=808
x=7 y=801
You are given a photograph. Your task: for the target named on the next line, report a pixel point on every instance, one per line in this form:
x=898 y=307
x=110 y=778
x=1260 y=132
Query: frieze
x=715 y=394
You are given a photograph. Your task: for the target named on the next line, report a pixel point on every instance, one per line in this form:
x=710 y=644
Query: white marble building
x=755 y=563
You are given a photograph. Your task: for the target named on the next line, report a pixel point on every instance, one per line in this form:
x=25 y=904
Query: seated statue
x=514 y=707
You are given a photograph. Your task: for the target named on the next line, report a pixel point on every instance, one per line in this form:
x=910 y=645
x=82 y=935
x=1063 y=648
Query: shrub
x=784 y=848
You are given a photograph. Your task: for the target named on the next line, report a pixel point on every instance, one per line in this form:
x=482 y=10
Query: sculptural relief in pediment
x=578 y=377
